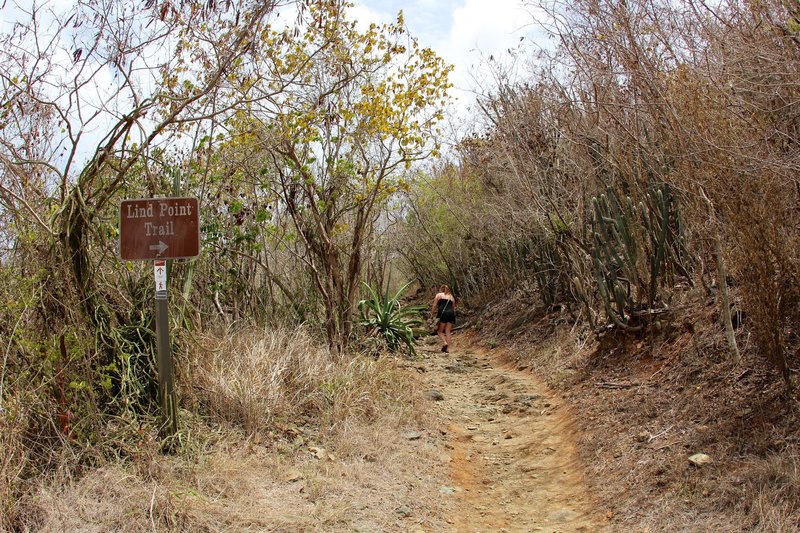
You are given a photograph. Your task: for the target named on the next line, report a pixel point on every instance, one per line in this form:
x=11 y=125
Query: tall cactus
x=634 y=247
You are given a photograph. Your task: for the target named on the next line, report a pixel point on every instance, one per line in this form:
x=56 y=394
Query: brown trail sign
x=159 y=228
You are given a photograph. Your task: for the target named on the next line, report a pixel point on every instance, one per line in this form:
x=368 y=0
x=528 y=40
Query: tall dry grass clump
x=13 y=462
x=262 y=379
x=772 y=490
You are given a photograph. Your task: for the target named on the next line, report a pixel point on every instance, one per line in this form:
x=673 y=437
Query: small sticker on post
x=160 y=275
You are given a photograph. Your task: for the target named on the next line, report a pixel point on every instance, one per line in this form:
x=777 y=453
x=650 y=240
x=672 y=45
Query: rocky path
x=512 y=459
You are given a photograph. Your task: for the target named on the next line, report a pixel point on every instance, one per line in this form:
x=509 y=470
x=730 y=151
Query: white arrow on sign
x=161 y=247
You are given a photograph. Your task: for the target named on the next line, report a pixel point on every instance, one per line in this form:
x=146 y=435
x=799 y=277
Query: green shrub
x=386 y=318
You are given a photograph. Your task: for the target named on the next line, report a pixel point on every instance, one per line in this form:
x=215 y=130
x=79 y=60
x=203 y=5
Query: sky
x=466 y=33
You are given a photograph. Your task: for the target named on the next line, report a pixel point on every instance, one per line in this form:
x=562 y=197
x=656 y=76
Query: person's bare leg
x=447 y=329
x=441 y=333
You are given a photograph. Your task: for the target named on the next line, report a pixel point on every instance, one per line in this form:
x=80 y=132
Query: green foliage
x=386 y=318
x=437 y=245
x=455 y=236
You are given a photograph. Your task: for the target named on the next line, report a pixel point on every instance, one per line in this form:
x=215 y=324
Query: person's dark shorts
x=448 y=317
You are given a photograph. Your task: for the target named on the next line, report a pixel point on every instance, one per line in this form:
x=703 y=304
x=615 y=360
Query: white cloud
x=481 y=30
x=466 y=33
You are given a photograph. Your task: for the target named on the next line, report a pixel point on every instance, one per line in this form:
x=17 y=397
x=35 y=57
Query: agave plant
x=385 y=317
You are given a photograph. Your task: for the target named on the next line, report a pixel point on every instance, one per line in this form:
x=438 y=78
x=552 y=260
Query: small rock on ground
x=435 y=395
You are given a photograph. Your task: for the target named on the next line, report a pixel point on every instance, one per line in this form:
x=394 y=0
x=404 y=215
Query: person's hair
x=445 y=289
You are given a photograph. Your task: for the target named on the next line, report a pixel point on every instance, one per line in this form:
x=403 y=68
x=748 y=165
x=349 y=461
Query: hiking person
x=444 y=308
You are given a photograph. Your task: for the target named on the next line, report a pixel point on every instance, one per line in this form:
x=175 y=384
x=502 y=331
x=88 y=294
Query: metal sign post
x=166 y=380
x=161 y=229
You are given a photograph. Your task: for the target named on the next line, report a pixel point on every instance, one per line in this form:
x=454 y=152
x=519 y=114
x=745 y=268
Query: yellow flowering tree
x=356 y=108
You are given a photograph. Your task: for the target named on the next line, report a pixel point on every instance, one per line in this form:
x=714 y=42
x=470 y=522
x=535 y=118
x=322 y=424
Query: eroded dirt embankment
x=513 y=460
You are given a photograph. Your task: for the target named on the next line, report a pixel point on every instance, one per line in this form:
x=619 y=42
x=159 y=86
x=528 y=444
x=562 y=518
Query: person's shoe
x=446 y=349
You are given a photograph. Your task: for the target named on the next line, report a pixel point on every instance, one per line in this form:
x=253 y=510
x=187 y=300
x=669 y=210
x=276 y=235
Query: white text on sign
x=164 y=210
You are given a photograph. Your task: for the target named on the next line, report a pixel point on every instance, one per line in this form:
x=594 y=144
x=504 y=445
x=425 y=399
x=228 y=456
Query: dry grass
x=13 y=459
x=773 y=487
x=264 y=380
x=287 y=437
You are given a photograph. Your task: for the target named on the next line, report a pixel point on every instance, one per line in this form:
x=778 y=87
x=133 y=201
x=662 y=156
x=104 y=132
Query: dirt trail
x=512 y=457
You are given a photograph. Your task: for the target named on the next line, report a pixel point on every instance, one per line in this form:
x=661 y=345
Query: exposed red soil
x=513 y=459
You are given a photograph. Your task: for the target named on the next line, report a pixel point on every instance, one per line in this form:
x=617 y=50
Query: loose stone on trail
x=434 y=395
x=412 y=435
x=292 y=476
x=700 y=459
